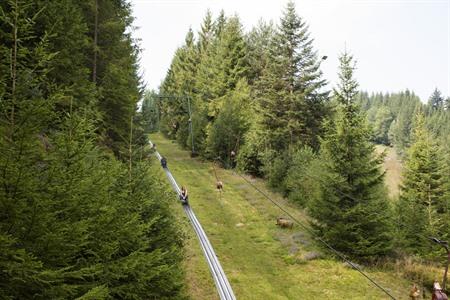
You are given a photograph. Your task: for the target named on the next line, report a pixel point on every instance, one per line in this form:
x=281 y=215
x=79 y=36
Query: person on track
x=184 y=194
x=233 y=159
x=163 y=162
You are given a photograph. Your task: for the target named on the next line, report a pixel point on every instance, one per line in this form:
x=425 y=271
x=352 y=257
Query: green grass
x=393 y=167
x=261 y=260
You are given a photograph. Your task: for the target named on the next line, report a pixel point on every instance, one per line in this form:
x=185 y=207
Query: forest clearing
x=261 y=260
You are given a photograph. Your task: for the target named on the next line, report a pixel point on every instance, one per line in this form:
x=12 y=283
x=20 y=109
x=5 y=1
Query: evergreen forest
x=82 y=216
x=84 y=213
x=262 y=95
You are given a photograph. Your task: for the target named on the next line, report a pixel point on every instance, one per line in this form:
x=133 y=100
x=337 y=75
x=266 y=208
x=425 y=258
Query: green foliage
x=282 y=71
x=422 y=208
x=150 y=112
x=111 y=60
x=383 y=120
x=390 y=117
x=352 y=213
x=76 y=222
x=179 y=82
x=232 y=122
x=295 y=175
x=209 y=73
x=275 y=168
x=301 y=182
x=259 y=41
x=436 y=101
x=86 y=222
x=250 y=157
x=289 y=91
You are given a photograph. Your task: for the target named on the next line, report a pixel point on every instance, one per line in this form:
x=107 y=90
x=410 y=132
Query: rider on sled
x=184 y=195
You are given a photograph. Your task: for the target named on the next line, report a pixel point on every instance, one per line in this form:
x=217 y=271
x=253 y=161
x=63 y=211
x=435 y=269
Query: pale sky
x=398 y=44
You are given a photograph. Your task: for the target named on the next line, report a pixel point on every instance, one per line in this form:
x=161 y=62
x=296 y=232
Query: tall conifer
x=422 y=208
x=353 y=213
x=290 y=91
x=75 y=221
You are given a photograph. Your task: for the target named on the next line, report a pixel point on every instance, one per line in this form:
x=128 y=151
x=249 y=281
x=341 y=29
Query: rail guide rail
x=223 y=286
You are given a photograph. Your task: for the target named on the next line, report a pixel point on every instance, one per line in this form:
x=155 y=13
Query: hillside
x=393 y=167
x=261 y=260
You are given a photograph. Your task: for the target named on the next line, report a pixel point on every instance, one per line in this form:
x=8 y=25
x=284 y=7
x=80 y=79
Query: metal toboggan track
x=220 y=279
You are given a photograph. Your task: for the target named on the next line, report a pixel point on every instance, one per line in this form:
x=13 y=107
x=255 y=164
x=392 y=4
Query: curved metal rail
x=223 y=286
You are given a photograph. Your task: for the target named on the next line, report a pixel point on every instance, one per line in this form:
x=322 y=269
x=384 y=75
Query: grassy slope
x=393 y=167
x=261 y=260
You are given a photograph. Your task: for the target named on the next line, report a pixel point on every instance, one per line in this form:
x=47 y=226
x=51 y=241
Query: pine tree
x=408 y=106
x=150 y=111
x=290 y=89
x=178 y=85
x=206 y=33
x=25 y=114
x=113 y=68
x=227 y=131
x=353 y=213
x=390 y=116
x=382 y=123
x=75 y=221
x=421 y=208
x=184 y=70
x=228 y=64
x=446 y=185
x=259 y=41
x=219 y=24
x=69 y=40
x=206 y=45
x=436 y=101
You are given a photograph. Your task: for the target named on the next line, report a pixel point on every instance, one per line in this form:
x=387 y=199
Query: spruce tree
x=290 y=91
x=227 y=131
x=178 y=85
x=150 y=111
x=259 y=41
x=422 y=209
x=206 y=45
x=382 y=123
x=390 y=116
x=446 y=196
x=352 y=213
x=228 y=63
x=206 y=33
x=113 y=68
x=221 y=64
x=436 y=101
x=75 y=223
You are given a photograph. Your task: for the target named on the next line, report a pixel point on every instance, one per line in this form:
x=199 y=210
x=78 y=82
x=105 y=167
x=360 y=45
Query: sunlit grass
x=261 y=260
x=393 y=167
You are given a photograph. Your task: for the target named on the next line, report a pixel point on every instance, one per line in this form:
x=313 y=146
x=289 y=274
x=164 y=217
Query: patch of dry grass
x=393 y=167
